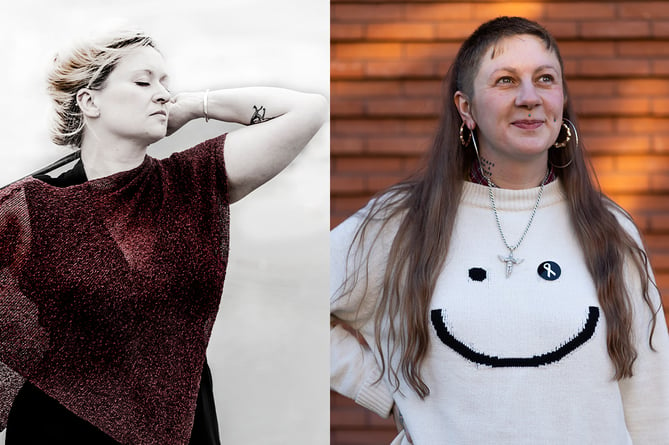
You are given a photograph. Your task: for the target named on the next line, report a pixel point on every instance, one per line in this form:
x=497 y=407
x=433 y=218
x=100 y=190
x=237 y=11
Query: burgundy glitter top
x=109 y=290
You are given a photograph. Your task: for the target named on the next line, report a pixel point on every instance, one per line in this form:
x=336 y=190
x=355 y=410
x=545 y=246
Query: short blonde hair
x=85 y=66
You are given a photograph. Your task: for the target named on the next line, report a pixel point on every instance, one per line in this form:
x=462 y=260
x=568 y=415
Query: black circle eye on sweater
x=477 y=274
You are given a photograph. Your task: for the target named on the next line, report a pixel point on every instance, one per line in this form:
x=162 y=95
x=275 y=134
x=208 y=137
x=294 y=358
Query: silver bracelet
x=206 y=110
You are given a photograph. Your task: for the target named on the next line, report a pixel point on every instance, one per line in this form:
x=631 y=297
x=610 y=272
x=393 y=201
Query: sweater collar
x=513 y=200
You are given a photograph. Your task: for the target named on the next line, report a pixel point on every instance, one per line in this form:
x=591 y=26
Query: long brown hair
x=425 y=208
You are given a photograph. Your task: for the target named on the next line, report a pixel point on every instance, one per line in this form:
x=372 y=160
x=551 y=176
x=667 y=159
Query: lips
x=528 y=124
x=159 y=113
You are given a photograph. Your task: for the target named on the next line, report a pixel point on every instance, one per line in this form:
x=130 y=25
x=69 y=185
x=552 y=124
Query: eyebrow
x=539 y=68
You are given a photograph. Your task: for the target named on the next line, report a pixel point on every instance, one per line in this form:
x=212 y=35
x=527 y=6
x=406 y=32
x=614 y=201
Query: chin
x=532 y=148
x=155 y=136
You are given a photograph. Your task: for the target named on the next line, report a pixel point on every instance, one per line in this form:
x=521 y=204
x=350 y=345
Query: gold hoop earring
x=569 y=126
x=462 y=138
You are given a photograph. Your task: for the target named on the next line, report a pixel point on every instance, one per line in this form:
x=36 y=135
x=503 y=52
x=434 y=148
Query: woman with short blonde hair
x=112 y=272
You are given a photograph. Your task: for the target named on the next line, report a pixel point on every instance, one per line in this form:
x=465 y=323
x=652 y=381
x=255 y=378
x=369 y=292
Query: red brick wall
x=387 y=62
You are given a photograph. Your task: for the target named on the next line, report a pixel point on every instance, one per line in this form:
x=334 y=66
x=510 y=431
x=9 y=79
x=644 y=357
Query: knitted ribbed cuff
x=375 y=396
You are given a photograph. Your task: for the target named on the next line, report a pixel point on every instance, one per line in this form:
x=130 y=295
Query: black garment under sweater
x=36 y=419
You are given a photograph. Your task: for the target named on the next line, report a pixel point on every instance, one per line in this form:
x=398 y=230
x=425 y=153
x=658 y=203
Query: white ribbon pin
x=549 y=270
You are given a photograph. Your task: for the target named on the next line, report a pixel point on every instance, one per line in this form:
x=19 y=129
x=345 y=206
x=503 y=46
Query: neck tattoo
x=486 y=168
x=510 y=260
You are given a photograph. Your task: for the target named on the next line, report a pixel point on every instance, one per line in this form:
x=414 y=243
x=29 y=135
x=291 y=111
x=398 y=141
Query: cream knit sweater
x=517 y=360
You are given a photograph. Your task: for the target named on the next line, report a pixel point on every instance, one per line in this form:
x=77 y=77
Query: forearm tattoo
x=259 y=115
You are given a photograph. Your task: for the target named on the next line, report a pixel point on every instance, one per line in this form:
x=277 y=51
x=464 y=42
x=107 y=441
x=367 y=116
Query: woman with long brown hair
x=497 y=296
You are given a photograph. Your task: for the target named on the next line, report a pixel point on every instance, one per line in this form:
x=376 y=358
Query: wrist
x=193 y=103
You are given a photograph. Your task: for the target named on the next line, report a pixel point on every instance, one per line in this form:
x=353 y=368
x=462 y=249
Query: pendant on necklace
x=510 y=262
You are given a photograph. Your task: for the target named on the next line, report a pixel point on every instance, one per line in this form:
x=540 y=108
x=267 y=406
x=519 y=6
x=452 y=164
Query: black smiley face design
x=478 y=274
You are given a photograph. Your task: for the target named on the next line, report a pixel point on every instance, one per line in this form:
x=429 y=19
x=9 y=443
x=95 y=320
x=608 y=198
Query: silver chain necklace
x=510 y=260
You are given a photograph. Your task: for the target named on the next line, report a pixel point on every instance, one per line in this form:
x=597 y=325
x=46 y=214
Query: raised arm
x=278 y=124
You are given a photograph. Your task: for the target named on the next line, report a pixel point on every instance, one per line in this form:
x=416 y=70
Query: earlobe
x=86 y=103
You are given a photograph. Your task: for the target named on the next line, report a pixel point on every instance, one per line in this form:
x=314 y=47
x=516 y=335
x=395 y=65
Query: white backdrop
x=269 y=349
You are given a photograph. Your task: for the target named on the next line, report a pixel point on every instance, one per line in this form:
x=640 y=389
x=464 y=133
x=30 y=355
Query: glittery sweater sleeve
x=204 y=163
x=354 y=371
x=14 y=242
